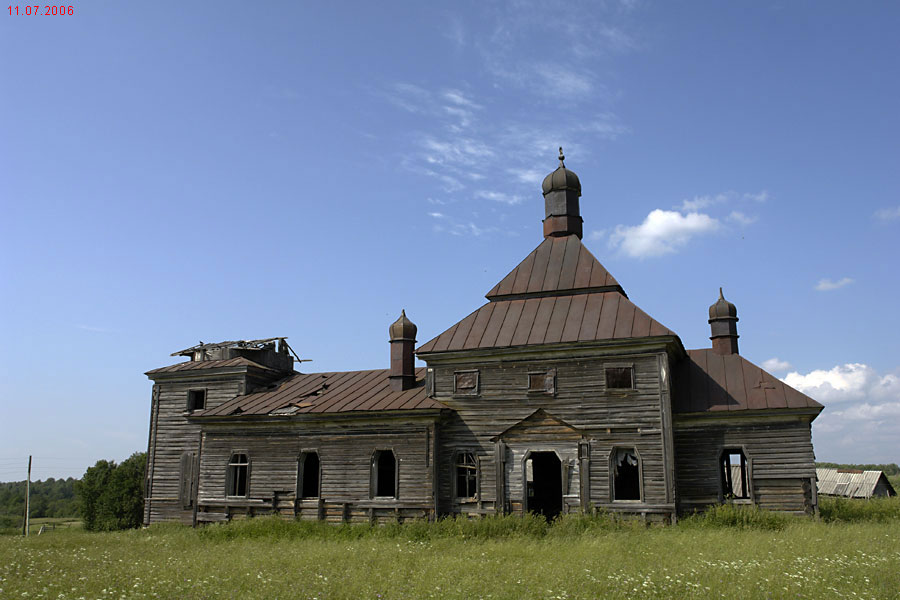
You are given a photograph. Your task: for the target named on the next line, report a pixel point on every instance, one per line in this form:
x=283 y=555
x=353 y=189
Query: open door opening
x=543 y=476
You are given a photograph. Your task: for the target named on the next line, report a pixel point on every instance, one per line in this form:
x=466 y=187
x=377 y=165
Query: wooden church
x=557 y=395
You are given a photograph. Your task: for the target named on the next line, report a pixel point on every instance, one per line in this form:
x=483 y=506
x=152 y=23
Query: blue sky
x=176 y=172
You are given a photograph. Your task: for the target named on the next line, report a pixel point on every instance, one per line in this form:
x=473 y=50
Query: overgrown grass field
x=726 y=554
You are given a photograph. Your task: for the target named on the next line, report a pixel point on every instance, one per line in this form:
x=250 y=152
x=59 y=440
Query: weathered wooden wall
x=172 y=434
x=604 y=418
x=345 y=450
x=780 y=455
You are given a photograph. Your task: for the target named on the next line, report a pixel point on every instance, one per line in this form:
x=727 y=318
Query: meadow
x=726 y=554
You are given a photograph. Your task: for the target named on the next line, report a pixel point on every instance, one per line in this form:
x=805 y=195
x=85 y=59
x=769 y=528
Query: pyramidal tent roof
x=559 y=293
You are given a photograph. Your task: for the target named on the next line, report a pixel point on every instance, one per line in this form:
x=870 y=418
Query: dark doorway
x=543 y=475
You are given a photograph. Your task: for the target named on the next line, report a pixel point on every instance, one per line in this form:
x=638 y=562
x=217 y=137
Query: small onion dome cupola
x=403 y=358
x=723 y=324
x=403 y=328
x=561 y=190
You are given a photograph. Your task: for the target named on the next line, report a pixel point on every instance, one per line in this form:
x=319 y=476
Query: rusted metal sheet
x=208 y=364
x=853 y=483
x=330 y=393
x=558 y=264
x=709 y=381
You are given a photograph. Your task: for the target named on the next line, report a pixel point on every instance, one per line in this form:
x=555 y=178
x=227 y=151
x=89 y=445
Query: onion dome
x=403 y=328
x=722 y=308
x=561 y=179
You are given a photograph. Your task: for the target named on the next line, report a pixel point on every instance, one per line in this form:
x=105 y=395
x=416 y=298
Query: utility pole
x=27 y=498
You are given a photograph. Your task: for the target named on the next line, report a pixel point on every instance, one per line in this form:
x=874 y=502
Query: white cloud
x=760 y=197
x=662 y=232
x=597 y=234
x=698 y=202
x=826 y=285
x=740 y=218
x=529 y=176
x=776 y=364
x=510 y=199
x=861 y=420
x=888 y=214
x=436 y=215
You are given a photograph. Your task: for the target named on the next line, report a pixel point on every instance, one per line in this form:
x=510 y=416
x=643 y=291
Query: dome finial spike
x=721 y=296
x=562 y=157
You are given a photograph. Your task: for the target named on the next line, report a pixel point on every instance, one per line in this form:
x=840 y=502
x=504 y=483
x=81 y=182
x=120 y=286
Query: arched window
x=309 y=475
x=384 y=474
x=734 y=475
x=237 y=478
x=466 y=475
x=626 y=474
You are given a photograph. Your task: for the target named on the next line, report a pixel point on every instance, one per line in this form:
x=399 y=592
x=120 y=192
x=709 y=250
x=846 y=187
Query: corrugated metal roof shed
x=852 y=483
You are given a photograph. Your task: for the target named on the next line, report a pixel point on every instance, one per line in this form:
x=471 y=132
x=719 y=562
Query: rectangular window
x=466 y=475
x=735 y=482
x=465 y=383
x=619 y=378
x=238 y=476
x=196 y=400
x=542 y=383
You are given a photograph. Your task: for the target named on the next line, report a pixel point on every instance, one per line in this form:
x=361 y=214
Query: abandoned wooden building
x=853 y=483
x=557 y=395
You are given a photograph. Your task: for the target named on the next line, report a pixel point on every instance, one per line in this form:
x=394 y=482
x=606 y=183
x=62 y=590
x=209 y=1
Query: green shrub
x=853 y=509
x=741 y=516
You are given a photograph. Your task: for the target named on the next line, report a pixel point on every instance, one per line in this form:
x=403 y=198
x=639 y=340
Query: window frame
x=190 y=404
x=747 y=471
x=477 y=468
x=475 y=391
x=375 y=472
x=607 y=367
x=231 y=469
x=613 y=454
x=547 y=374
x=301 y=474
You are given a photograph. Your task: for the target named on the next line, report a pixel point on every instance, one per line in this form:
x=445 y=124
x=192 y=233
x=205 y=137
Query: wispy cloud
x=775 y=365
x=510 y=199
x=826 y=285
x=662 y=232
x=888 y=214
x=436 y=215
x=740 y=218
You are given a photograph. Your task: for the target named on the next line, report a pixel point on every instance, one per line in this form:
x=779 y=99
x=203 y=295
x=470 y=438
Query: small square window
x=196 y=400
x=619 y=378
x=542 y=383
x=466 y=383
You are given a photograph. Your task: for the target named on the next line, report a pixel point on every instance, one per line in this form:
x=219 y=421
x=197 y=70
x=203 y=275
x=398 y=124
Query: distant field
x=269 y=559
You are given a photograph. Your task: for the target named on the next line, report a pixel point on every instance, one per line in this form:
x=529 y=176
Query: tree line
x=109 y=496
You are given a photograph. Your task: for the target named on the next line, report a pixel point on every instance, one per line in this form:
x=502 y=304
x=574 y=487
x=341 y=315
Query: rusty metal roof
x=548 y=320
x=708 y=382
x=343 y=392
x=559 y=265
x=208 y=364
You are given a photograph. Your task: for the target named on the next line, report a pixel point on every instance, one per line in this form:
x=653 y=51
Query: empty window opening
x=385 y=474
x=466 y=382
x=543 y=484
x=735 y=483
x=541 y=383
x=196 y=400
x=619 y=378
x=466 y=475
x=309 y=475
x=626 y=475
x=238 y=475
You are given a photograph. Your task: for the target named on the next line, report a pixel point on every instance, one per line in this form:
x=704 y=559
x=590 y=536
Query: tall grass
x=851 y=509
x=740 y=516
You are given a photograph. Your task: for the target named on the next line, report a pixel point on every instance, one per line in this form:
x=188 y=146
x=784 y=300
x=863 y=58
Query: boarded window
x=626 y=474
x=196 y=400
x=309 y=475
x=466 y=383
x=542 y=383
x=238 y=475
x=466 y=475
x=619 y=378
x=735 y=482
x=186 y=488
x=384 y=474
